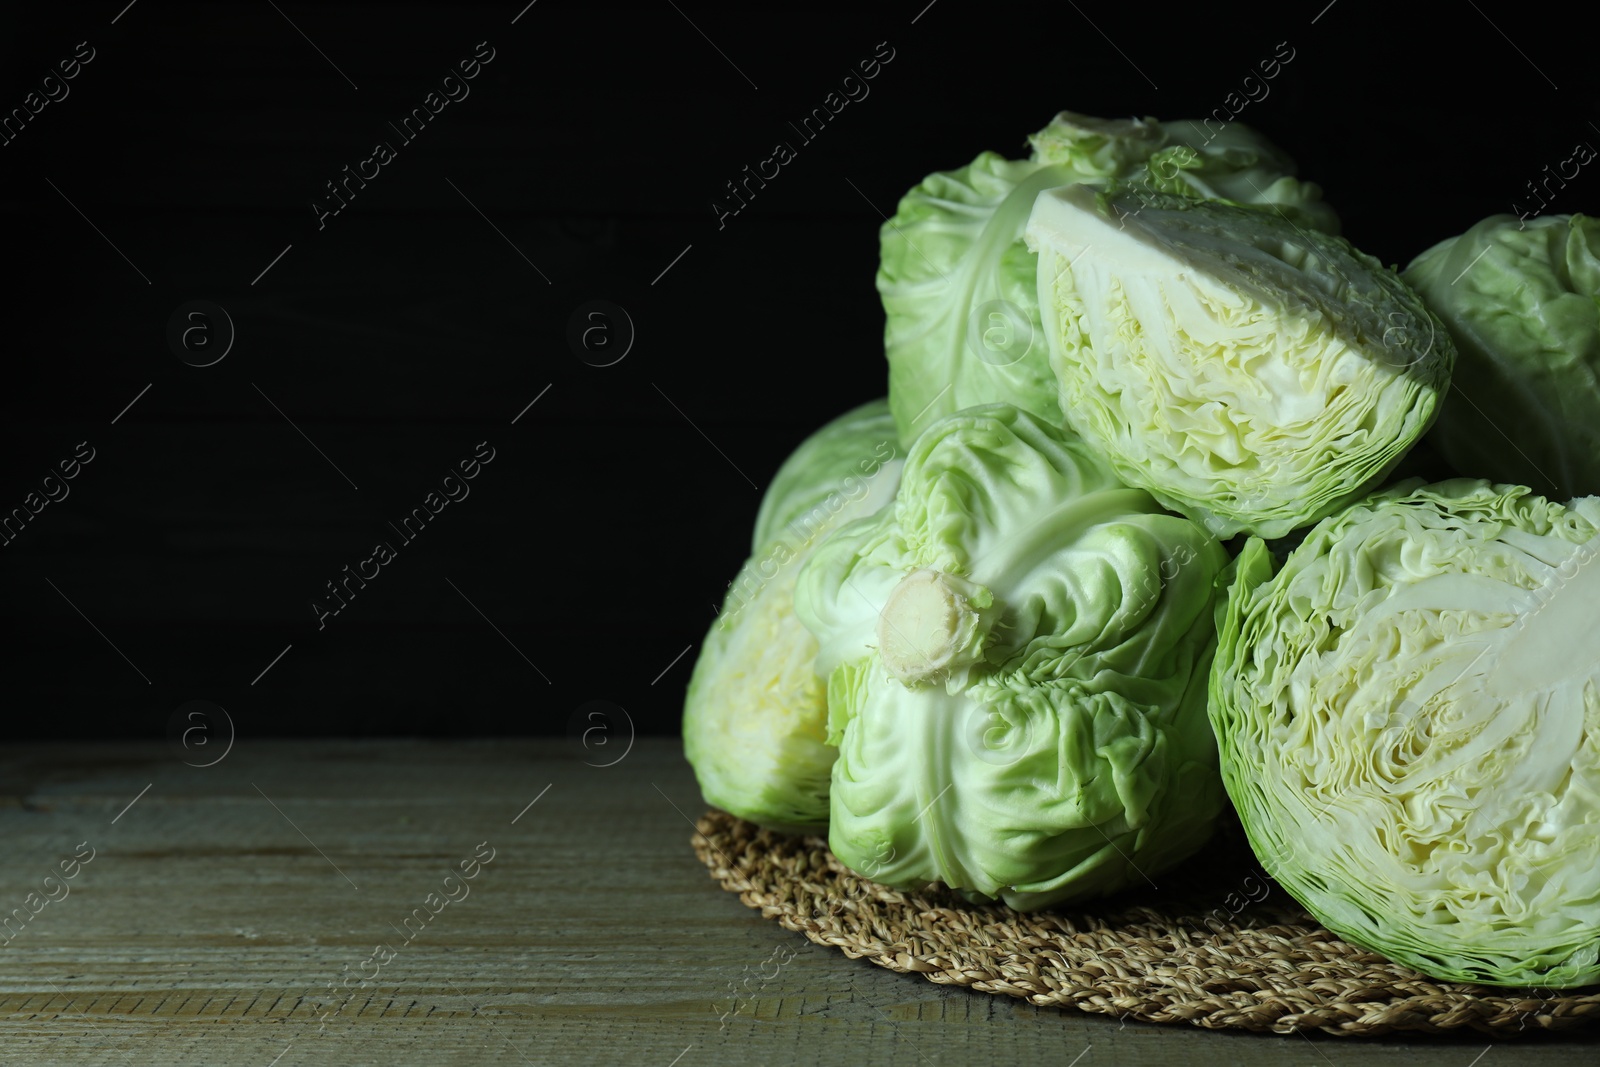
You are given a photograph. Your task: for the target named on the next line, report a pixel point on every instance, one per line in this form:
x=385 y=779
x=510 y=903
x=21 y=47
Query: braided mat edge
x=1252 y=965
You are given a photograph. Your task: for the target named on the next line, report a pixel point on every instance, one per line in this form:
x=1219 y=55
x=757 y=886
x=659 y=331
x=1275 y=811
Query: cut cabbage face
x=958 y=283
x=1249 y=372
x=1408 y=714
x=755 y=717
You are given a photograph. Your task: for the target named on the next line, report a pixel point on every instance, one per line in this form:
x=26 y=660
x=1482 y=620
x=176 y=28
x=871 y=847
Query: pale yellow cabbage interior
x=1242 y=369
x=1414 y=723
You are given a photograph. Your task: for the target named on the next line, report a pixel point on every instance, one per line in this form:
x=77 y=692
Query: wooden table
x=221 y=906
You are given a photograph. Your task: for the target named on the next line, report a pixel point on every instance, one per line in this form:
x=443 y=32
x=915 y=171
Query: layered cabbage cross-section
x=958 y=281
x=1248 y=371
x=755 y=716
x=1408 y=713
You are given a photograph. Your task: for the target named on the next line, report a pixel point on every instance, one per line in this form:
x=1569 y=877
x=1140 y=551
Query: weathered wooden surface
x=219 y=907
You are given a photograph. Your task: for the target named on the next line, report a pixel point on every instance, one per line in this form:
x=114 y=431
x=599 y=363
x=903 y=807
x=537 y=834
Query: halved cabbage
x=755 y=717
x=1408 y=713
x=957 y=281
x=1249 y=372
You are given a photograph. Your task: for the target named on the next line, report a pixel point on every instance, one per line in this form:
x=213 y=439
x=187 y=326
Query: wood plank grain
x=217 y=909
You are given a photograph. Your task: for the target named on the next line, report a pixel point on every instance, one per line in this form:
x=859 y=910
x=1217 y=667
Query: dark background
x=405 y=331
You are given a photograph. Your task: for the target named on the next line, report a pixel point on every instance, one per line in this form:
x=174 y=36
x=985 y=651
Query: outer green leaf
x=958 y=289
x=1018 y=651
x=1522 y=302
x=1409 y=720
x=1234 y=164
x=836 y=463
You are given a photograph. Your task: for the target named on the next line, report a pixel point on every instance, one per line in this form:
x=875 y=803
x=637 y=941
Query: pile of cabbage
x=1124 y=546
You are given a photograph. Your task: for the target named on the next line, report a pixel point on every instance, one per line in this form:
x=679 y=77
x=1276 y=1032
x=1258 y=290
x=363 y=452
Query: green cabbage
x=1522 y=303
x=755 y=717
x=1017 y=653
x=834 y=464
x=1408 y=713
x=1249 y=372
x=957 y=281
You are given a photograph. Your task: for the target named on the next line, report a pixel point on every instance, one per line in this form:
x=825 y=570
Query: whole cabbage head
x=957 y=281
x=1017 y=652
x=1249 y=372
x=1408 y=712
x=755 y=717
x=1521 y=300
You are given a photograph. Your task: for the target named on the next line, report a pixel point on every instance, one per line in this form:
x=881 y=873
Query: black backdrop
x=375 y=347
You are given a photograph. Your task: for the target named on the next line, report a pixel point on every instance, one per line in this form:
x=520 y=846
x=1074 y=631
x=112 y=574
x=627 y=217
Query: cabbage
x=1234 y=164
x=1249 y=372
x=754 y=719
x=833 y=465
x=957 y=282
x=1520 y=301
x=1408 y=713
x=1016 y=654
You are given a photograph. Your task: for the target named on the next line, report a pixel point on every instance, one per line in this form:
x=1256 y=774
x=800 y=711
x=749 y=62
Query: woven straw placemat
x=1234 y=951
